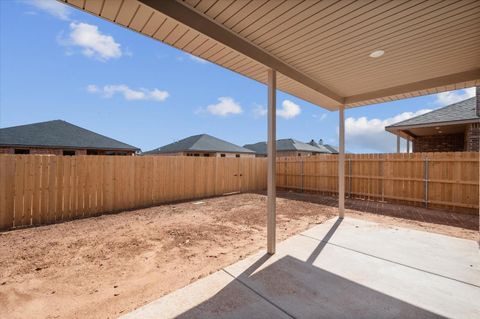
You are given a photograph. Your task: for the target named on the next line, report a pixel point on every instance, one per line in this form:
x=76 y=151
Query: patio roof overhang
x=320 y=50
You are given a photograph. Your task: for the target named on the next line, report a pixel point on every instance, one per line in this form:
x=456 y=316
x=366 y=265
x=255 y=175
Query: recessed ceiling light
x=437 y=127
x=377 y=53
x=440 y=132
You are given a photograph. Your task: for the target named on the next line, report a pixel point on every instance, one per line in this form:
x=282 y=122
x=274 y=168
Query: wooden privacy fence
x=42 y=189
x=442 y=180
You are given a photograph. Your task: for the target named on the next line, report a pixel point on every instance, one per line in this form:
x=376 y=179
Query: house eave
x=393 y=128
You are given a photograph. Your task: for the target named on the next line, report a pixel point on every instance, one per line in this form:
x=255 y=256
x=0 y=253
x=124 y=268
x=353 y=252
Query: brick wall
x=11 y=150
x=472 y=137
x=51 y=151
x=5 y=150
x=46 y=151
x=477 y=94
x=441 y=143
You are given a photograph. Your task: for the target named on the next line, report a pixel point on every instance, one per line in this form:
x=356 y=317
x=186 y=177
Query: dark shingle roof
x=259 y=148
x=461 y=111
x=285 y=145
x=59 y=134
x=200 y=143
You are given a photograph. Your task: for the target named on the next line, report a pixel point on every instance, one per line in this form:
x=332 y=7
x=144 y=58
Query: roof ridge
x=194 y=140
x=84 y=129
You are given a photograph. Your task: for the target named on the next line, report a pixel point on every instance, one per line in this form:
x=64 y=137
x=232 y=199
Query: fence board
x=7 y=191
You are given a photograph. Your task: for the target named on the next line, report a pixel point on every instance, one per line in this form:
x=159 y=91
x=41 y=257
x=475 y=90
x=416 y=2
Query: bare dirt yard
x=106 y=266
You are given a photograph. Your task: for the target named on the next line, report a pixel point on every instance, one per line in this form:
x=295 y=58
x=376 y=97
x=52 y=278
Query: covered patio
x=337 y=55
x=339 y=270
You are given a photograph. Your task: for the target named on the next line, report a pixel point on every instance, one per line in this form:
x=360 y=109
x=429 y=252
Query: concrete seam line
x=391 y=261
x=259 y=294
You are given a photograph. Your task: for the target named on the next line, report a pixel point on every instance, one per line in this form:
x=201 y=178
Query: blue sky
x=60 y=63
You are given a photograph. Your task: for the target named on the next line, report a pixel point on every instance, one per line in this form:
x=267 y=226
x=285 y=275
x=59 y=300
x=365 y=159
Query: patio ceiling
x=320 y=49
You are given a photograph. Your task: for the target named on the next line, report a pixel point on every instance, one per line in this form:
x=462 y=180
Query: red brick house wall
x=439 y=143
x=472 y=137
x=462 y=142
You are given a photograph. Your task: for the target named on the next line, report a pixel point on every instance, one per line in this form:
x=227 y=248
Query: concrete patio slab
x=340 y=269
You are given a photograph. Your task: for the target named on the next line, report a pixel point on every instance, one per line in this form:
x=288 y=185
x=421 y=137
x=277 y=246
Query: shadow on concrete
x=324 y=241
x=292 y=288
x=467 y=221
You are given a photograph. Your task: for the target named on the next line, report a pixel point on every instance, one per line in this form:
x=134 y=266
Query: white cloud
x=225 y=106
x=259 y=111
x=289 y=110
x=91 y=88
x=55 y=8
x=451 y=97
x=129 y=94
x=159 y=95
x=93 y=43
x=363 y=134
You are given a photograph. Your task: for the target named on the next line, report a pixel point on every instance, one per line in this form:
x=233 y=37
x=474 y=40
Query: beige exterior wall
x=295 y=153
x=290 y=154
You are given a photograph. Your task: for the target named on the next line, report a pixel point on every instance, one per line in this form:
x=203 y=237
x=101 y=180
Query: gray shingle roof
x=461 y=111
x=259 y=148
x=200 y=143
x=331 y=148
x=285 y=145
x=58 y=134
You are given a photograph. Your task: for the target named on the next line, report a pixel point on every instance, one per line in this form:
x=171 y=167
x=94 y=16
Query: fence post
x=301 y=161
x=382 y=175
x=349 y=178
x=425 y=174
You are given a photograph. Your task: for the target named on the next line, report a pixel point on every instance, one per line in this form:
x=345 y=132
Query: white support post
x=341 y=162
x=272 y=158
x=398 y=144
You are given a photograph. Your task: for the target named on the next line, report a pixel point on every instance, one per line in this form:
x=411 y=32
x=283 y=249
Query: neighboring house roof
x=259 y=148
x=313 y=143
x=200 y=143
x=331 y=148
x=462 y=111
x=285 y=145
x=58 y=134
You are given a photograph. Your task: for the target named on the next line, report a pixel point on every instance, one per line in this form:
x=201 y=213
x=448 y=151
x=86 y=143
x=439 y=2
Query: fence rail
x=443 y=180
x=42 y=189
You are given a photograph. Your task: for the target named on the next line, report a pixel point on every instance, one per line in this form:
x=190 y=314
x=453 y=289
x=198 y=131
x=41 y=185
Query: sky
x=60 y=63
